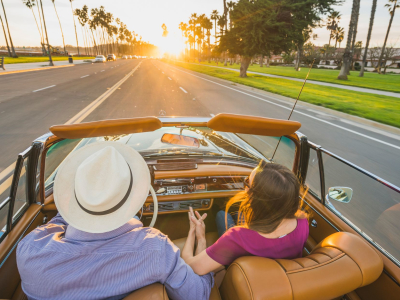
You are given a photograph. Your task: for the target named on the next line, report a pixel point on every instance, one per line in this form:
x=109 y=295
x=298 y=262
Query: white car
x=125 y=57
x=100 y=58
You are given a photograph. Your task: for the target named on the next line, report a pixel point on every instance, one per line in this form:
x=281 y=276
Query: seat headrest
x=338 y=265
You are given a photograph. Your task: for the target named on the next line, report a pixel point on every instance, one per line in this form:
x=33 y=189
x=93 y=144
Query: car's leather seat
x=338 y=265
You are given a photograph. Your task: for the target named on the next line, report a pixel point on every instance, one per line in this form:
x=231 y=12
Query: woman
x=270 y=224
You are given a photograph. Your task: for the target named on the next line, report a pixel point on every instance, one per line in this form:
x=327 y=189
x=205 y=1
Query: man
x=93 y=248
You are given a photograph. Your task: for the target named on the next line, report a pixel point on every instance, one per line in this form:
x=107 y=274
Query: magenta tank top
x=239 y=241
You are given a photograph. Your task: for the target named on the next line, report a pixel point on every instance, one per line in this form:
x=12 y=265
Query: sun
x=172 y=44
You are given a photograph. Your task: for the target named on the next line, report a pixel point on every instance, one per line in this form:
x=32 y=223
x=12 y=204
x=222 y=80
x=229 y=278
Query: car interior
x=337 y=262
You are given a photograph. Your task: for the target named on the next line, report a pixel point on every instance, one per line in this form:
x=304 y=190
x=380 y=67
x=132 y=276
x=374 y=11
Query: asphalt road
x=31 y=102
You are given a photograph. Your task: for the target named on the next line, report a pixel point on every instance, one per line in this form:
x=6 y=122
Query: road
x=31 y=102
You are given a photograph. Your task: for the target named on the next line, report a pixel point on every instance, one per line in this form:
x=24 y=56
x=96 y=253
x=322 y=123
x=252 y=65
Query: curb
x=363 y=121
x=36 y=69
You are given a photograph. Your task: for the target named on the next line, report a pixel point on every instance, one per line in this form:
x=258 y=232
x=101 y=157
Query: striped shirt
x=57 y=261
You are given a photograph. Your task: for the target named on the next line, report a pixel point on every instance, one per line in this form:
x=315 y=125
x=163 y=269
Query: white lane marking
x=102 y=70
x=162 y=72
x=92 y=106
x=84 y=76
x=169 y=78
x=183 y=89
x=47 y=87
x=388 y=134
x=212 y=115
x=299 y=112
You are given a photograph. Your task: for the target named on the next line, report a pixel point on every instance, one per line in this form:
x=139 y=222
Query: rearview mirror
x=340 y=194
x=181 y=140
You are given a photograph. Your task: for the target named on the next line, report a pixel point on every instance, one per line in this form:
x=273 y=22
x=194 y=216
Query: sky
x=145 y=17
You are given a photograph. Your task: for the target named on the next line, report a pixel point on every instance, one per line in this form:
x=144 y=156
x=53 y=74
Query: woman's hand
x=198 y=221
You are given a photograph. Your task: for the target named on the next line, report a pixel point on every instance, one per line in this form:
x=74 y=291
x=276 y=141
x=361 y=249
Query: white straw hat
x=101 y=186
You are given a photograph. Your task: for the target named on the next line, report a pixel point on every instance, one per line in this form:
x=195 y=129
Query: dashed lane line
x=84 y=76
x=183 y=89
x=47 y=87
x=169 y=78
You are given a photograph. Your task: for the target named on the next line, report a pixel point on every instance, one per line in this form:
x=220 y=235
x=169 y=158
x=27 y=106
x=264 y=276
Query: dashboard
x=178 y=190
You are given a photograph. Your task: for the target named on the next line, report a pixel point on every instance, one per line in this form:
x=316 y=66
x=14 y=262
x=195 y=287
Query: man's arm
x=179 y=279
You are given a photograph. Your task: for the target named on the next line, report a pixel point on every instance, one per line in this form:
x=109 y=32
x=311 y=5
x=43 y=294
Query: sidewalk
x=38 y=65
x=339 y=86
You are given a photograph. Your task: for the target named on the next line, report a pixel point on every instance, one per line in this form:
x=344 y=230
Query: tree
x=338 y=35
x=311 y=54
x=215 y=17
x=288 y=58
x=9 y=34
x=30 y=4
x=390 y=53
x=371 y=24
x=332 y=24
x=5 y=36
x=356 y=53
x=347 y=53
x=47 y=37
x=76 y=34
x=59 y=22
x=392 y=10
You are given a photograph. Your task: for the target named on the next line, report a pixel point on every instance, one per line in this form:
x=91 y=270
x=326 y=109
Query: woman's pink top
x=239 y=241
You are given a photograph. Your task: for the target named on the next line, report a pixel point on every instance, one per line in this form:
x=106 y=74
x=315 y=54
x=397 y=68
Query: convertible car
x=353 y=249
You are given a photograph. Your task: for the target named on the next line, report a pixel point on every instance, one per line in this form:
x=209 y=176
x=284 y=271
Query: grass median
x=388 y=82
x=32 y=59
x=378 y=108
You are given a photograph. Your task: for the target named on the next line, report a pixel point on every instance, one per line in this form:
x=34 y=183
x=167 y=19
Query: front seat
x=338 y=265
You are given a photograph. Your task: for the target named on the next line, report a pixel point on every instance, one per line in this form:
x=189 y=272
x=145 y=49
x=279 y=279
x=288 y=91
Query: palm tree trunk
x=37 y=25
x=352 y=46
x=346 y=56
x=9 y=34
x=378 y=68
x=42 y=30
x=261 y=61
x=59 y=22
x=371 y=24
x=76 y=34
x=47 y=37
x=5 y=36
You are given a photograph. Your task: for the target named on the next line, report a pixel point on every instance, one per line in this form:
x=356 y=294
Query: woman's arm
x=188 y=248
x=203 y=264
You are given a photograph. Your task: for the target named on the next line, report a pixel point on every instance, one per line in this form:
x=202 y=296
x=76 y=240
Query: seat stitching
x=298 y=263
x=317 y=266
x=281 y=266
x=247 y=280
x=312 y=259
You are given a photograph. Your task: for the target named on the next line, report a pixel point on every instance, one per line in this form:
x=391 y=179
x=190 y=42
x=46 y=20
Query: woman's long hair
x=274 y=195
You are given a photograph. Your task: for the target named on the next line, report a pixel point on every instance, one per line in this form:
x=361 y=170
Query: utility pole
x=47 y=37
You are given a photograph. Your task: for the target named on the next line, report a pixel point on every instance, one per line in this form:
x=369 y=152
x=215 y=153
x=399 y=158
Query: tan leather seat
x=338 y=265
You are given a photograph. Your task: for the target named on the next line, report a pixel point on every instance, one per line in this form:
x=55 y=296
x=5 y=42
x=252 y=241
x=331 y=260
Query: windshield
x=84 y=61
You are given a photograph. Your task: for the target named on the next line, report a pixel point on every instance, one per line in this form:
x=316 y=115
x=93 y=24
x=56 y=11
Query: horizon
x=25 y=34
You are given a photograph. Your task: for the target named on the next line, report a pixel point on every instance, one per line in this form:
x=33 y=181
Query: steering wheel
x=155 y=206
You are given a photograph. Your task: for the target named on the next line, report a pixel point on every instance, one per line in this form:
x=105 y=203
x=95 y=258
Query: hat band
x=112 y=209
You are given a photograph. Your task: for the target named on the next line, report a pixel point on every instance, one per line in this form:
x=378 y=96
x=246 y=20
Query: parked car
x=125 y=57
x=111 y=57
x=129 y=56
x=100 y=59
x=200 y=162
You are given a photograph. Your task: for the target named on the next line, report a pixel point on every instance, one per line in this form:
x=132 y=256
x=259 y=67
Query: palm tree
x=62 y=34
x=332 y=24
x=352 y=30
x=30 y=4
x=47 y=37
x=76 y=34
x=9 y=34
x=338 y=35
x=392 y=10
x=371 y=24
x=5 y=36
x=230 y=5
x=215 y=17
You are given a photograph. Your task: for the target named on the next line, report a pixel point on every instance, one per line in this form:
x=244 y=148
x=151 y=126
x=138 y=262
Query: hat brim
x=64 y=190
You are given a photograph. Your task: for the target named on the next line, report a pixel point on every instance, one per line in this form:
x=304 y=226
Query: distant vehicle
x=125 y=57
x=134 y=57
x=111 y=57
x=130 y=56
x=100 y=58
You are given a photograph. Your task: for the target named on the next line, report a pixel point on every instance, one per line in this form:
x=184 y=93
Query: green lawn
x=31 y=59
x=378 y=108
x=388 y=82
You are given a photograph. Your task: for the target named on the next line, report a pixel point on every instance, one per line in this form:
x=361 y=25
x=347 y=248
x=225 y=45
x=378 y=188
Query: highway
x=33 y=101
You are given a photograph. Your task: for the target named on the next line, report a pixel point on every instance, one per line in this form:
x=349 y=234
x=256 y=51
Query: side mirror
x=340 y=194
